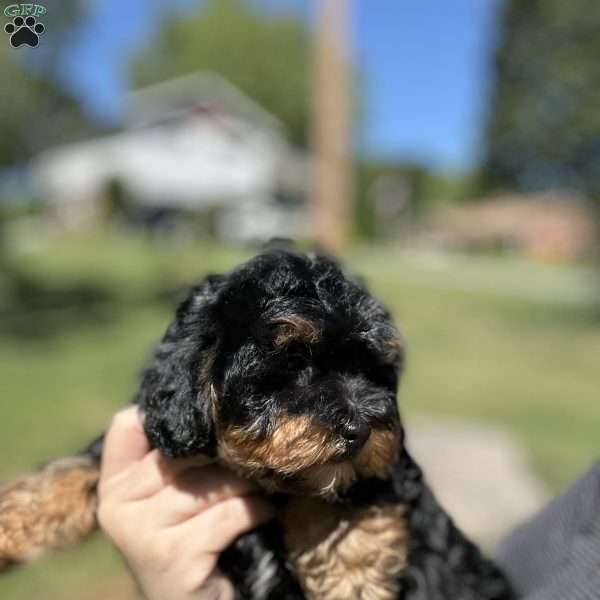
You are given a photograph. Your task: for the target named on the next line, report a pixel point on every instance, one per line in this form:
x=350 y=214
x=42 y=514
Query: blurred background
x=448 y=150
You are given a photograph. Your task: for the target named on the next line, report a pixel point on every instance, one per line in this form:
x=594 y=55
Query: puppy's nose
x=355 y=434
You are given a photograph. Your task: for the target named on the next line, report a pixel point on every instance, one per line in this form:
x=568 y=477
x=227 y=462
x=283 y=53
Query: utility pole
x=331 y=191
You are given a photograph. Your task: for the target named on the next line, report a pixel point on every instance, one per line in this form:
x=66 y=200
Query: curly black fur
x=220 y=351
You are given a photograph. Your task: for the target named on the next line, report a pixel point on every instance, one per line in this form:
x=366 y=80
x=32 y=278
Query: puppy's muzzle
x=354 y=435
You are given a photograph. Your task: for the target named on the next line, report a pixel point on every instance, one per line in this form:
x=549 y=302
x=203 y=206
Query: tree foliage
x=266 y=57
x=35 y=111
x=544 y=128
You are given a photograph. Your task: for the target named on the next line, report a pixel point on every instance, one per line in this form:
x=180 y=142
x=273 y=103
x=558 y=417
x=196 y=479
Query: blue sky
x=424 y=65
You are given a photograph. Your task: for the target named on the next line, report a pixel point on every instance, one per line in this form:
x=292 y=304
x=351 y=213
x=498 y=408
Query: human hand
x=169 y=518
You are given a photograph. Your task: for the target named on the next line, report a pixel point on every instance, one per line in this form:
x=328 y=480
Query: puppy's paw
x=47 y=510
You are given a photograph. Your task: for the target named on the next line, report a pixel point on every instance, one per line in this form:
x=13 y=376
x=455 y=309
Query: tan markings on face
x=295 y=444
x=47 y=510
x=328 y=480
x=301 y=456
x=376 y=459
x=340 y=552
x=296 y=328
x=378 y=456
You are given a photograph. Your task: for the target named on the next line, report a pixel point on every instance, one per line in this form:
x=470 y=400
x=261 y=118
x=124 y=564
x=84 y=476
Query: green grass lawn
x=500 y=340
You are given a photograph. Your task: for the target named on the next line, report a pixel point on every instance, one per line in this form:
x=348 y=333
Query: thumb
x=125 y=443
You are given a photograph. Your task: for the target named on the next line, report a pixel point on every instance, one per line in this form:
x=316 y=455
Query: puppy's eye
x=270 y=335
x=282 y=334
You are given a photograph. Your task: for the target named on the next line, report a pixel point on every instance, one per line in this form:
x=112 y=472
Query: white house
x=188 y=145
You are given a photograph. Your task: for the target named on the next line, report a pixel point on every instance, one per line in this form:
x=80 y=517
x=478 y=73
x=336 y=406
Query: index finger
x=125 y=443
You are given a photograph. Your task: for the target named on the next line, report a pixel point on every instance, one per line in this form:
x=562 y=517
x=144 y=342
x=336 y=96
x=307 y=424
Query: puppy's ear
x=175 y=394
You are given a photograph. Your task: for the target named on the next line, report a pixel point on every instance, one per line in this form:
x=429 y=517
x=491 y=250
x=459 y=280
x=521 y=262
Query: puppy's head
x=286 y=370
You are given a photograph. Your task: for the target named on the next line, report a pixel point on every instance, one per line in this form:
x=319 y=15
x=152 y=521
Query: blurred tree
x=35 y=111
x=267 y=58
x=544 y=127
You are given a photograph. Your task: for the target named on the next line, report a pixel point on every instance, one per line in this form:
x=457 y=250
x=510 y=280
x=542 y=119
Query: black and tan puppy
x=284 y=371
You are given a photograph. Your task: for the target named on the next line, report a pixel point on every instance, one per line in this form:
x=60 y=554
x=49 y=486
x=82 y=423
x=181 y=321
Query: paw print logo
x=24 y=31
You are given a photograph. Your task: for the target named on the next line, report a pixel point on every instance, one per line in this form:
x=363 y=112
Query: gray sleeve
x=556 y=554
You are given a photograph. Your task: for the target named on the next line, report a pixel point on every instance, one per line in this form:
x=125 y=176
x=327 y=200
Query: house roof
x=196 y=91
x=191 y=141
